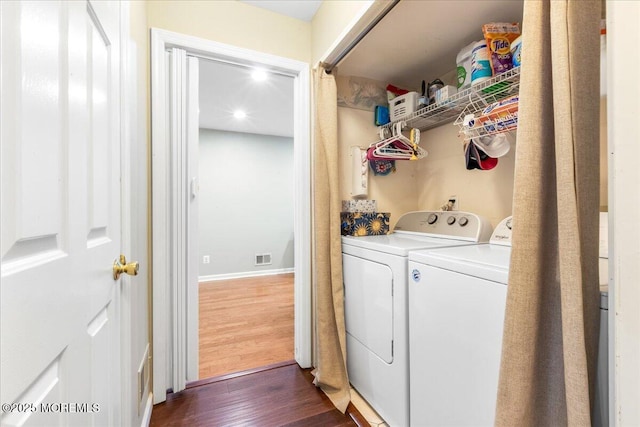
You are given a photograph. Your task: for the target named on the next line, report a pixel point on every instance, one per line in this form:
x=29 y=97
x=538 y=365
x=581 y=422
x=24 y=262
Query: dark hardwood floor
x=281 y=396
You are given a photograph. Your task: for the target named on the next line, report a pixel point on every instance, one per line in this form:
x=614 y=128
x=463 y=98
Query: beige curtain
x=331 y=371
x=551 y=324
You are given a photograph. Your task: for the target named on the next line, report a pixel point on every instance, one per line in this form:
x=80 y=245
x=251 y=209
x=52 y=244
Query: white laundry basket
x=402 y=105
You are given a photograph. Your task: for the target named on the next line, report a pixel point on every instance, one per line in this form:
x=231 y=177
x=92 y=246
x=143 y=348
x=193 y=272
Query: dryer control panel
x=502 y=234
x=446 y=224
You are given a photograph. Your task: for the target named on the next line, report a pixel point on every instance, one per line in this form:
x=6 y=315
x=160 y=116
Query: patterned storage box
x=361 y=205
x=364 y=224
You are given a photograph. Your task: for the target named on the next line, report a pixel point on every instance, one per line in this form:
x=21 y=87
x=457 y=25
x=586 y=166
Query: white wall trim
x=163 y=163
x=242 y=275
x=623 y=109
x=160 y=156
x=146 y=418
x=128 y=131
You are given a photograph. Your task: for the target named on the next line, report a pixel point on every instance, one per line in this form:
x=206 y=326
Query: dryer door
x=368 y=298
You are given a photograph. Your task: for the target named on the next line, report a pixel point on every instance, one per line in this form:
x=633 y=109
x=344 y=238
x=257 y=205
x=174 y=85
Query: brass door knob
x=121 y=266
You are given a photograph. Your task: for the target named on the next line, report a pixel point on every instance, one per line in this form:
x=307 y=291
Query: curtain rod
x=359 y=37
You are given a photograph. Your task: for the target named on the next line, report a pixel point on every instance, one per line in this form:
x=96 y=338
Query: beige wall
x=397 y=192
x=330 y=22
x=234 y=23
x=445 y=165
x=443 y=174
x=427 y=184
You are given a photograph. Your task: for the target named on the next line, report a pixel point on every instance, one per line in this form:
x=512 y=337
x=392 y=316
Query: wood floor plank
x=245 y=323
x=283 y=396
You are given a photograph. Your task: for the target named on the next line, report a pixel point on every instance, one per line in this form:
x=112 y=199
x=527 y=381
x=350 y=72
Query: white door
x=60 y=213
x=184 y=122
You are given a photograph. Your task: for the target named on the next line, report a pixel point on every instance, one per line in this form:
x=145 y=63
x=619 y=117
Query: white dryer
x=456 y=313
x=375 y=289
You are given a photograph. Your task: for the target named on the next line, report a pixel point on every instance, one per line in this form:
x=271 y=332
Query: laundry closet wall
x=443 y=174
x=396 y=192
x=487 y=193
x=424 y=184
x=427 y=184
x=246 y=202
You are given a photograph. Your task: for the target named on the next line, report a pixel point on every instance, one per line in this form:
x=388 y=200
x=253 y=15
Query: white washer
x=456 y=314
x=375 y=288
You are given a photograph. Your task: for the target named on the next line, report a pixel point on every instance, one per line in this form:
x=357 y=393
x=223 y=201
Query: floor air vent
x=263 y=259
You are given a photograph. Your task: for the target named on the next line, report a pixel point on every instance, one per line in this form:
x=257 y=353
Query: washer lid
x=398 y=243
x=486 y=261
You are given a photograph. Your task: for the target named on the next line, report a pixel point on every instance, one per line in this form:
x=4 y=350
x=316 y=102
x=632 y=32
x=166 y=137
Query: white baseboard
x=146 y=418
x=227 y=276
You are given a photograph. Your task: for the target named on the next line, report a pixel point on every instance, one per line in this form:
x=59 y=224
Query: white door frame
x=135 y=391
x=163 y=222
x=127 y=109
x=624 y=210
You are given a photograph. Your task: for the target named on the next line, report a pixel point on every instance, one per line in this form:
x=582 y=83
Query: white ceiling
x=299 y=9
x=419 y=40
x=225 y=88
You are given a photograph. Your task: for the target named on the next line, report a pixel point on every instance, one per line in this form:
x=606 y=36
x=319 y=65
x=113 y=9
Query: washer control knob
x=508 y=224
x=451 y=220
x=432 y=218
x=463 y=221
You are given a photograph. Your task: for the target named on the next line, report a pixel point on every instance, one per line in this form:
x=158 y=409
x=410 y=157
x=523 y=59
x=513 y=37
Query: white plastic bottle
x=516 y=52
x=463 y=61
x=480 y=63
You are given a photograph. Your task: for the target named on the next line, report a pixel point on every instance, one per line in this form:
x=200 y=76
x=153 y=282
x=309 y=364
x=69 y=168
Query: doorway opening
x=175 y=260
x=245 y=219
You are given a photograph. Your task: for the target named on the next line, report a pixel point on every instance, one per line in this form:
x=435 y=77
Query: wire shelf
x=468 y=101
x=473 y=126
x=495 y=112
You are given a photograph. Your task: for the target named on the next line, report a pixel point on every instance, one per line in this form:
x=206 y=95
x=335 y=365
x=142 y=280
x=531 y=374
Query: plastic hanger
x=398 y=146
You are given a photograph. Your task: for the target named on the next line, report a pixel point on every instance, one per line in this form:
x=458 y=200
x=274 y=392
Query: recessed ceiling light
x=259 y=75
x=239 y=114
